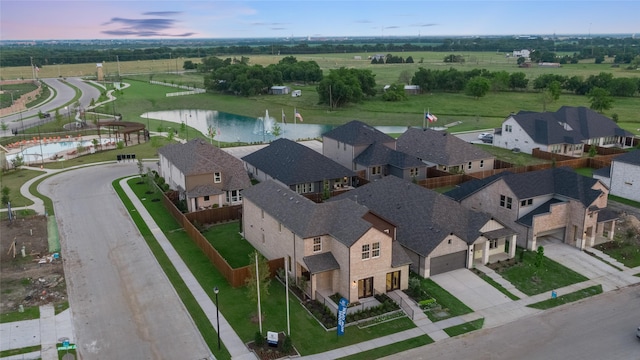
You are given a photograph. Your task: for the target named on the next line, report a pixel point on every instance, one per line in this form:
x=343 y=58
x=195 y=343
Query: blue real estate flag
x=342 y=315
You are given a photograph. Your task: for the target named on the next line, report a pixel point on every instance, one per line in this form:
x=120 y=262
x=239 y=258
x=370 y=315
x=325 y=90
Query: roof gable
x=378 y=154
x=293 y=163
x=632 y=157
x=358 y=133
x=439 y=147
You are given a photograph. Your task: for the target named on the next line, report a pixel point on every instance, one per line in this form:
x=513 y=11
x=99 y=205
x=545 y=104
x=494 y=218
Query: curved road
x=123 y=305
x=64 y=95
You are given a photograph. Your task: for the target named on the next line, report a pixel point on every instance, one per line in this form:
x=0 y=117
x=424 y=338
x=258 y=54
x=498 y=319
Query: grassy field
x=13 y=180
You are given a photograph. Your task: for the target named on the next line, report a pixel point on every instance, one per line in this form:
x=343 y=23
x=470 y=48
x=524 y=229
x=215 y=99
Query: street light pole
x=186 y=128
x=216 y=291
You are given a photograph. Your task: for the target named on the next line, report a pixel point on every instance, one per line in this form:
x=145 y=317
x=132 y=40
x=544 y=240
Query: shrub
x=258 y=338
x=286 y=344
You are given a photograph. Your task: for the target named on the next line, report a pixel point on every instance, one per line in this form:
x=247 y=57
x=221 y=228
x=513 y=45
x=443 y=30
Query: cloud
x=363 y=21
x=145 y=27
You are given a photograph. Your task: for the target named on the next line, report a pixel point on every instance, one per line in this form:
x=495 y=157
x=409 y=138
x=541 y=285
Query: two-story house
x=445 y=151
x=562 y=132
x=204 y=175
x=298 y=167
x=370 y=152
x=623 y=176
x=554 y=203
x=437 y=233
x=333 y=247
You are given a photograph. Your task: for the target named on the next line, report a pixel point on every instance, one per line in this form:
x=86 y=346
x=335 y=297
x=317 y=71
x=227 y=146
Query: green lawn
x=532 y=280
x=307 y=335
x=26 y=350
x=588 y=172
x=390 y=349
x=496 y=285
x=448 y=302
x=230 y=244
x=13 y=180
x=627 y=253
x=624 y=201
x=565 y=299
x=517 y=159
x=464 y=328
x=32 y=312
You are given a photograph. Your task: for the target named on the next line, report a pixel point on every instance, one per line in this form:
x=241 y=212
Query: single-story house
x=444 y=151
x=438 y=233
x=204 y=175
x=298 y=168
x=522 y=53
x=562 y=132
x=337 y=247
x=554 y=203
x=279 y=90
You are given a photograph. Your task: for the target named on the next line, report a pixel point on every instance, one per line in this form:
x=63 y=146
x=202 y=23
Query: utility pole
x=118 y=61
x=33 y=70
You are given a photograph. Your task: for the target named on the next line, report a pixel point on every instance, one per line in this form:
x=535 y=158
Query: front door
x=365 y=288
x=393 y=281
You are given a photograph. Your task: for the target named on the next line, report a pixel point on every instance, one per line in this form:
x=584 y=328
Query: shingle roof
x=378 y=154
x=632 y=157
x=423 y=217
x=560 y=181
x=204 y=190
x=603 y=172
x=570 y=125
x=198 y=157
x=527 y=220
x=321 y=262
x=398 y=256
x=292 y=163
x=439 y=147
x=343 y=220
x=358 y=133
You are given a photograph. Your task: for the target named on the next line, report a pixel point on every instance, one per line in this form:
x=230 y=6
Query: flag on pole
x=284 y=117
x=298 y=116
x=431 y=117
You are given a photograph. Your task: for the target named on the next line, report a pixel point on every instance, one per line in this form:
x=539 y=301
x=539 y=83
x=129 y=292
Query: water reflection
x=237 y=128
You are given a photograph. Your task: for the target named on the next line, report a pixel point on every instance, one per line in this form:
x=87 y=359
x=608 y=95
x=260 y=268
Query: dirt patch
x=24 y=280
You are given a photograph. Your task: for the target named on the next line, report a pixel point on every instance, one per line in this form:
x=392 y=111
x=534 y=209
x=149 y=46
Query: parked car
x=483 y=135
x=487 y=139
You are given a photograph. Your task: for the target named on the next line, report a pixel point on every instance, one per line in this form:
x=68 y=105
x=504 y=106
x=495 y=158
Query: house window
x=469 y=165
x=375 y=250
x=206 y=198
x=526 y=202
x=481 y=163
x=233 y=196
x=217 y=177
x=508 y=128
x=506 y=201
x=304 y=188
x=493 y=244
x=376 y=170
x=365 y=252
x=414 y=172
x=317 y=244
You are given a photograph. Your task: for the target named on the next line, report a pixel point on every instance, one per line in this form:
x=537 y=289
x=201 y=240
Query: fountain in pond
x=264 y=125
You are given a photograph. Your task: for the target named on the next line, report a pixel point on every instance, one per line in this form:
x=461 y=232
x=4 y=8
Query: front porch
x=499 y=245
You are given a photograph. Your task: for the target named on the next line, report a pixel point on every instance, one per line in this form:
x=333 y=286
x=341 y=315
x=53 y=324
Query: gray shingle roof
x=204 y=190
x=398 y=256
x=198 y=157
x=604 y=172
x=423 y=217
x=343 y=220
x=292 y=163
x=439 y=147
x=527 y=220
x=560 y=181
x=570 y=125
x=378 y=154
x=358 y=133
x=321 y=262
x=632 y=157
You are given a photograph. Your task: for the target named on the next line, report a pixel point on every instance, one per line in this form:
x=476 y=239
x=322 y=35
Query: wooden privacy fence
x=235 y=277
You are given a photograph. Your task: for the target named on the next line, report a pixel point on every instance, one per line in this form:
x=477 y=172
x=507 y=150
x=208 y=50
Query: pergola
x=124 y=128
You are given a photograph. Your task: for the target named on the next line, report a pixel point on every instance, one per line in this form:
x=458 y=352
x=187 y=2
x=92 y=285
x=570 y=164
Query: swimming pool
x=32 y=152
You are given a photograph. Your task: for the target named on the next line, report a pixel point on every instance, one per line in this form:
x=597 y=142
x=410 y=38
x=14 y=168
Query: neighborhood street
x=123 y=305
x=600 y=327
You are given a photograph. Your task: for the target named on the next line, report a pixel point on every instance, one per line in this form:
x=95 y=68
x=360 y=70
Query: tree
x=478 y=87
x=189 y=65
x=521 y=60
x=344 y=86
x=17 y=162
x=405 y=77
x=518 y=80
x=263 y=277
x=276 y=130
x=58 y=118
x=5 y=195
x=395 y=92
x=539 y=257
x=626 y=87
x=600 y=99
x=4 y=126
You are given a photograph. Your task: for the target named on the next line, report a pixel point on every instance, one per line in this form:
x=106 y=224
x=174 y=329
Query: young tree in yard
x=262 y=276
x=478 y=87
x=600 y=99
x=539 y=257
x=5 y=195
x=4 y=126
x=550 y=94
x=395 y=92
x=276 y=130
x=140 y=167
x=17 y=162
x=58 y=118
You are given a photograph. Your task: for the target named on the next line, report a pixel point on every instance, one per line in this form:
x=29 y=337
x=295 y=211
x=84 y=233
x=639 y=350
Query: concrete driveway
x=470 y=289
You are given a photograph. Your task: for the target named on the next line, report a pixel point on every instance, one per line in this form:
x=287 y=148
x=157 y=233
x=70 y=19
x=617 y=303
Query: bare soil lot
x=24 y=280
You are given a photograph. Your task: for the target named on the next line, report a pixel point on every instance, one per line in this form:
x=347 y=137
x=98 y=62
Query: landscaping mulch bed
x=268 y=352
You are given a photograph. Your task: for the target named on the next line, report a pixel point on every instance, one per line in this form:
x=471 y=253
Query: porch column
x=470 y=257
x=485 y=252
x=193 y=204
x=612 y=229
x=512 y=247
x=592 y=239
x=534 y=240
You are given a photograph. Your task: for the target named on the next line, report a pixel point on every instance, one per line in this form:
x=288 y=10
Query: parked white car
x=483 y=135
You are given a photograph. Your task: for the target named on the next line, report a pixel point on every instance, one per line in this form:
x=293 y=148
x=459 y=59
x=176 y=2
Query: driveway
x=470 y=289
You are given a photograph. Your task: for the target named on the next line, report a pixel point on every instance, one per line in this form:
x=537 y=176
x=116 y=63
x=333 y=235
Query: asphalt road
x=601 y=327
x=123 y=306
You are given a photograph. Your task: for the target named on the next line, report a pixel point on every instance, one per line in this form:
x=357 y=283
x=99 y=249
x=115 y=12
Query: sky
x=131 y=19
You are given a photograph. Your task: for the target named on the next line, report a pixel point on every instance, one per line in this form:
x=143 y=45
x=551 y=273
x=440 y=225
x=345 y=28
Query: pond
x=237 y=128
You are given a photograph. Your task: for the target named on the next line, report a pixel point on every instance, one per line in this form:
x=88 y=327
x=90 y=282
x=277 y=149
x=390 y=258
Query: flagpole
x=295 y=119
x=424 y=118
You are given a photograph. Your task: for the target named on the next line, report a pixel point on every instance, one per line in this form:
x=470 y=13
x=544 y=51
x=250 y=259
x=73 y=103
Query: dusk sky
x=124 y=19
